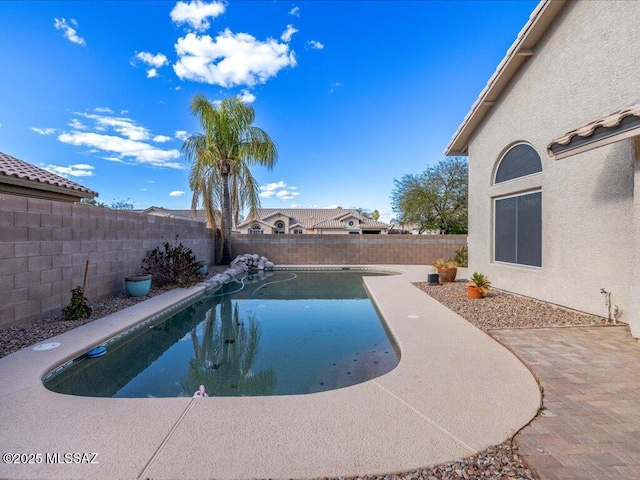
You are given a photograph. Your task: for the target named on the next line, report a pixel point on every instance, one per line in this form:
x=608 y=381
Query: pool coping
x=454 y=392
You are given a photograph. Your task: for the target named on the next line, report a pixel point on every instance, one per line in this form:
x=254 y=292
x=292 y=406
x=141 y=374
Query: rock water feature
x=240 y=266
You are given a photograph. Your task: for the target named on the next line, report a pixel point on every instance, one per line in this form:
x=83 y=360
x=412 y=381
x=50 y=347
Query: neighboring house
x=555 y=215
x=199 y=216
x=18 y=177
x=310 y=221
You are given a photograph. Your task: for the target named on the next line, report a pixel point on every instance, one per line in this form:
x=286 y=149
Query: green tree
x=436 y=199
x=220 y=160
x=94 y=202
x=122 y=204
x=363 y=211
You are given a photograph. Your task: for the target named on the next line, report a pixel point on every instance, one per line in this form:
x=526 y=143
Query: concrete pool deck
x=454 y=392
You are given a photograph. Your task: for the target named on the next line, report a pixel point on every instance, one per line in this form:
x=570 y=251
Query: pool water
x=283 y=334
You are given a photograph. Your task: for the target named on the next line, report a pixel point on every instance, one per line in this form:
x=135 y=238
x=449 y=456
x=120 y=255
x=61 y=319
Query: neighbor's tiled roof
x=610 y=121
x=316 y=217
x=177 y=213
x=13 y=167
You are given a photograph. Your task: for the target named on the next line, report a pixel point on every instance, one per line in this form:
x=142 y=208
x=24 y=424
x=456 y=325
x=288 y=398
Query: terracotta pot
x=447 y=275
x=474 y=292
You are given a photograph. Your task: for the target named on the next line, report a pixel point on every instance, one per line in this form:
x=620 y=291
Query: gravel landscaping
x=497 y=310
x=504 y=310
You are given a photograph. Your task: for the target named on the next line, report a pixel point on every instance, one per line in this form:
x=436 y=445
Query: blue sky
x=354 y=93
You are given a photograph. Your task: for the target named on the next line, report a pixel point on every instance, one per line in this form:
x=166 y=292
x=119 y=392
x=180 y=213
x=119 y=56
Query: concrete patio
x=455 y=392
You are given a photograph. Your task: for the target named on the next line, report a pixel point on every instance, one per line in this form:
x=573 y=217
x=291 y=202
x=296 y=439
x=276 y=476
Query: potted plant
x=447 y=269
x=478 y=286
x=138 y=285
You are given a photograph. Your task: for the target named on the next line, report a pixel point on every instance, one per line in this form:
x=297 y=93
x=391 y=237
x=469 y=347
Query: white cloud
x=158 y=60
x=78 y=170
x=273 y=186
x=295 y=11
x=176 y=193
x=288 y=33
x=196 y=13
x=76 y=124
x=126 y=148
x=44 y=131
x=143 y=189
x=153 y=61
x=334 y=87
x=113 y=159
x=279 y=190
x=162 y=138
x=124 y=112
x=286 y=195
x=247 y=97
x=103 y=110
x=122 y=125
x=315 y=44
x=181 y=134
x=231 y=59
x=177 y=88
x=151 y=181
x=68 y=31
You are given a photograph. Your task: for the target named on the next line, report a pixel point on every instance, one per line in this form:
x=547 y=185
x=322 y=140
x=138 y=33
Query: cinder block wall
x=44 y=246
x=349 y=249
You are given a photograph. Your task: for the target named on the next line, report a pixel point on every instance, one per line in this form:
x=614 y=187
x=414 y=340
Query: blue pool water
x=288 y=333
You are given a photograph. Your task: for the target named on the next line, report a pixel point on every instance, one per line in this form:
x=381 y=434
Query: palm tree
x=220 y=160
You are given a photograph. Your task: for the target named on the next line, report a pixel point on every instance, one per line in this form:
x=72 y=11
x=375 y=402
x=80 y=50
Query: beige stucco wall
x=585 y=67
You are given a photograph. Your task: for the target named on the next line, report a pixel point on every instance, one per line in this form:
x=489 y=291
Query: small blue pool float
x=96 y=352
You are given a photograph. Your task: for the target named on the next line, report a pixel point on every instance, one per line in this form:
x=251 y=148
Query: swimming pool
x=293 y=332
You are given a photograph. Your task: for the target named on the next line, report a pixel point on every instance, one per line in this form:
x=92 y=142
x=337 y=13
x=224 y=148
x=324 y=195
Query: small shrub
x=481 y=282
x=172 y=265
x=461 y=257
x=77 y=308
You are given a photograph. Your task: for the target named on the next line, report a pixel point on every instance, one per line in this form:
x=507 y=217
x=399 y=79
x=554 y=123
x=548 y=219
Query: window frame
x=515 y=195
x=256 y=230
x=502 y=157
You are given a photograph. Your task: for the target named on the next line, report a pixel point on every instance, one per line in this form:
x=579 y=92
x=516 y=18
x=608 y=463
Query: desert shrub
x=461 y=256
x=77 y=308
x=172 y=264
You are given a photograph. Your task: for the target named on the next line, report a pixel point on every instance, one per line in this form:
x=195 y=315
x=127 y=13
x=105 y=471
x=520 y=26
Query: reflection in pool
x=280 y=334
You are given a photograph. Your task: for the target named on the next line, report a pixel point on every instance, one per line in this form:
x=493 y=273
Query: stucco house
x=310 y=221
x=18 y=177
x=554 y=161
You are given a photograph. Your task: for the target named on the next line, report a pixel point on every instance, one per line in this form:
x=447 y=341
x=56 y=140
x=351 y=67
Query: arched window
x=255 y=229
x=520 y=160
x=517 y=215
x=279 y=227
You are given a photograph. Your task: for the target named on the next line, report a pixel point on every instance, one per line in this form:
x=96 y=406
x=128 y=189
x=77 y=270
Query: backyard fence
x=349 y=249
x=44 y=246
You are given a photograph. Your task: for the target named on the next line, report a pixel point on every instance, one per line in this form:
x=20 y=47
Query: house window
x=521 y=160
x=518 y=215
x=297 y=231
x=518 y=229
x=279 y=227
x=255 y=229
x=351 y=223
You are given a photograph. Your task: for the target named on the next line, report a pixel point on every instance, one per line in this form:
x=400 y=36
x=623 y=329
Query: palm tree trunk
x=226 y=212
